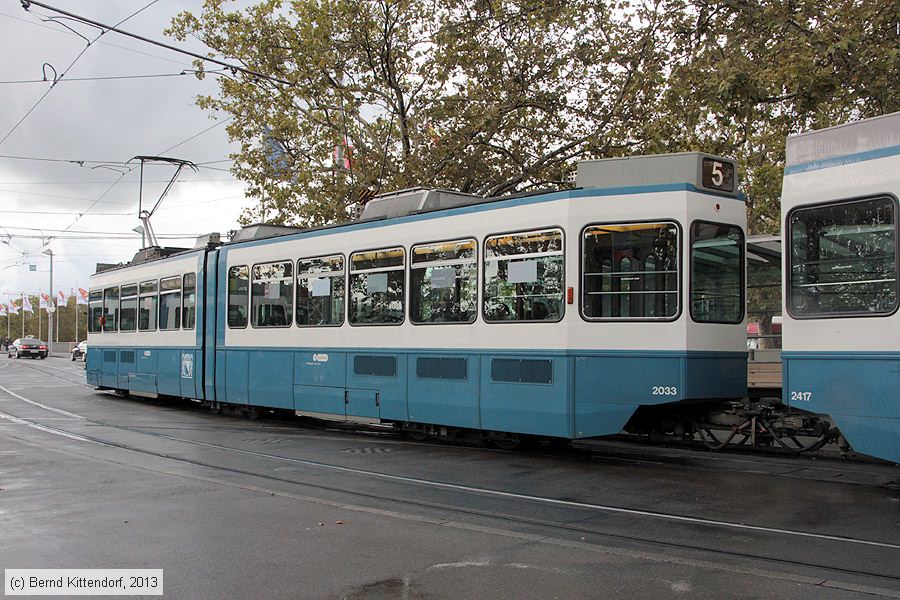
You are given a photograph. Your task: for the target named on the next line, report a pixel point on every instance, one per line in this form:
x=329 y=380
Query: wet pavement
x=238 y=508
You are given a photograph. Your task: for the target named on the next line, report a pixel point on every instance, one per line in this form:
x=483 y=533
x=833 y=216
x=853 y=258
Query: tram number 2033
x=801 y=396
x=661 y=390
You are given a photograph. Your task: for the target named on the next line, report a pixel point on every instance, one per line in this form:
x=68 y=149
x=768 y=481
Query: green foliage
x=501 y=96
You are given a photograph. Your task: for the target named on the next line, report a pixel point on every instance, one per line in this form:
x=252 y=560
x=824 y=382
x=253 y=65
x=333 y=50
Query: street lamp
x=49 y=253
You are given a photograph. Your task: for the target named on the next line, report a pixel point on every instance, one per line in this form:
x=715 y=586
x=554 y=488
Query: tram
x=555 y=314
x=841 y=348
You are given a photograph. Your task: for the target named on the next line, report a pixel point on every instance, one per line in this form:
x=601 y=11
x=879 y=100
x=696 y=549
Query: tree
x=483 y=97
x=501 y=96
x=744 y=75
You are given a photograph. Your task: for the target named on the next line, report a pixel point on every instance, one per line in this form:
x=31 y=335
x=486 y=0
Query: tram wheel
x=418 y=433
x=505 y=441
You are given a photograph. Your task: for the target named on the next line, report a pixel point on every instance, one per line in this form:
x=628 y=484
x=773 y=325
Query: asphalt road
x=275 y=509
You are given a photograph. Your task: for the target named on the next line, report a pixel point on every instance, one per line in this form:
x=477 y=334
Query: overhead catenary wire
x=184 y=73
x=25 y=4
x=231 y=67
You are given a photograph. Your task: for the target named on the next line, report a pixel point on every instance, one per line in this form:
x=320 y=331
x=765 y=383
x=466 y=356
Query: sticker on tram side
x=187 y=366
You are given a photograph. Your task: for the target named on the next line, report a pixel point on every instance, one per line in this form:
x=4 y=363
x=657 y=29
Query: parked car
x=80 y=351
x=27 y=347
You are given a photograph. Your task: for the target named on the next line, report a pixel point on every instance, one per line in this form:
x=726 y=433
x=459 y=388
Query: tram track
x=508 y=518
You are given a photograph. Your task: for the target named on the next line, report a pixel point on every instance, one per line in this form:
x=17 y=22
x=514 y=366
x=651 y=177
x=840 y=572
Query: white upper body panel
x=849 y=162
x=153 y=270
x=570 y=214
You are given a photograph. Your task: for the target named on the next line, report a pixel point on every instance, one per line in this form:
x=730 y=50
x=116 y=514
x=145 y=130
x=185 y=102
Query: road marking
x=39 y=427
x=44 y=406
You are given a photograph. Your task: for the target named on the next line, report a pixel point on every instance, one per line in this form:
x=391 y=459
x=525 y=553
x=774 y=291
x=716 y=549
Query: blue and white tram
x=841 y=352
x=553 y=314
x=145 y=327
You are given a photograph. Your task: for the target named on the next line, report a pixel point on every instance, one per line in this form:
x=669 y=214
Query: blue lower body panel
x=164 y=371
x=860 y=391
x=610 y=386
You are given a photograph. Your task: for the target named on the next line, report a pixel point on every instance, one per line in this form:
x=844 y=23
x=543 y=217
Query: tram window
x=110 y=309
x=147 y=306
x=272 y=294
x=128 y=308
x=717 y=273
x=238 y=295
x=443 y=282
x=320 y=291
x=524 y=276
x=645 y=283
x=843 y=258
x=376 y=287
x=169 y=303
x=95 y=311
x=189 y=301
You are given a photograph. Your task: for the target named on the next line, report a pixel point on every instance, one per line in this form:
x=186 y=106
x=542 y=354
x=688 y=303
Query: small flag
x=26 y=305
x=2 y=310
x=47 y=303
x=81 y=297
x=13 y=308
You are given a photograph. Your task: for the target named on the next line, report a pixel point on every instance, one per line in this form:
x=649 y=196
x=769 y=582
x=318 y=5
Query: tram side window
x=717 y=273
x=128 y=308
x=843 y=258
x=376 y=287
x=320 y=291
x=272 y=294
x=189 y=306
x=645 y=281
x=147 y=306
x=95 y=310
x=443 y=282
x=110 y=320
x=169 y=303
x=238 y=295
x=524 y=276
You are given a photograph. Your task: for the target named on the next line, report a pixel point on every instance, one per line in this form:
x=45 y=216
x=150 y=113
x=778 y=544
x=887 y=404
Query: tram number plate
x=661 y=390
x=801 y=396
x=718 y=175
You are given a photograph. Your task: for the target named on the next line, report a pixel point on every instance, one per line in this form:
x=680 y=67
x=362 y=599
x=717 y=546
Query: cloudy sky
x=104 y=122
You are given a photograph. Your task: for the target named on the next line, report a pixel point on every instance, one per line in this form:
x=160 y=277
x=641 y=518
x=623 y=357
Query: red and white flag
x=26 y=305
x=81 y=297
x=2 y=310
x=13 y=308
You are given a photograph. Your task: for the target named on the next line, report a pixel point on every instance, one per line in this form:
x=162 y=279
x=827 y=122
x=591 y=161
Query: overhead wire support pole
x=233 y=68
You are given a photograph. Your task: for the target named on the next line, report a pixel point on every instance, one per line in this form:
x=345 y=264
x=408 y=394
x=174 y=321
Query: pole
x=39 y=314
x=50 y=313
x=23 y=315
x=76 y=318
